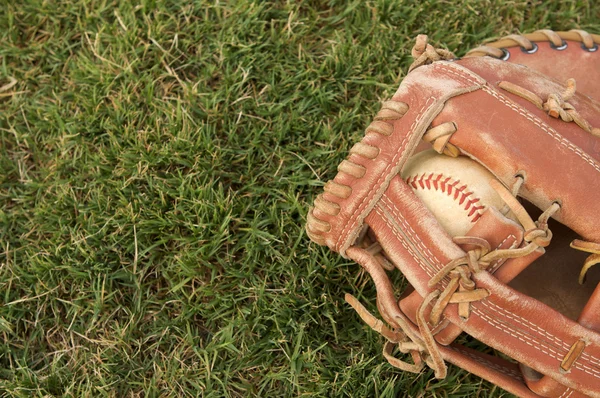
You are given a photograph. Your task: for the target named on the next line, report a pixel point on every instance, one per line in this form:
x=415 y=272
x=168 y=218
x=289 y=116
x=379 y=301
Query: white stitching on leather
x=459 y=73
x=391 y=206
x=532 y=327
x=536 y=329
x=383 y=176
x=387 y=202
x=551 y=132
x=380 y=212
x=568 y=392
x=389 y=222
x=530 y=341
x=579 y=365
x=518 y=335
x=590 y=358
x=526 y=323
x=450 y=68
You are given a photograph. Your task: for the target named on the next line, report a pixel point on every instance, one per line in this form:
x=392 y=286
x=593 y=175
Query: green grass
x=156 y=164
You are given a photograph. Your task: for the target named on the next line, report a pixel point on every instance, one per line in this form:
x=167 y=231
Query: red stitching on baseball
x=432 y=181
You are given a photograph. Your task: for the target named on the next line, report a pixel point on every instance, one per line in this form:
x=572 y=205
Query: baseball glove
x=503 y=251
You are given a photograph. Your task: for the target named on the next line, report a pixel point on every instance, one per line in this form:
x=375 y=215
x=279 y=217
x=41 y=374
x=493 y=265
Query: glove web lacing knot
x=424 y=53
x=556 y=104
x=455 y=286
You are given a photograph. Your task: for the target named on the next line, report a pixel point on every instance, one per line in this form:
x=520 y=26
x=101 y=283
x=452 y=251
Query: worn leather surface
x=541 y=153
x=508 y=135
x=501 y=233
x=572 y=62
x=575 y=60
x=509 y=321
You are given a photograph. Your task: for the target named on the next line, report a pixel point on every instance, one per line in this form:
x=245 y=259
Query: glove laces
x=425 y=54
x=452 y=284
x=556 y=104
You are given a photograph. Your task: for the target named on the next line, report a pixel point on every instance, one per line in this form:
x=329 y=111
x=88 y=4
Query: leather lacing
x=528 y=43
x=556 y=104
x=439 y=136
x=454 y=286
x=316 y=227
x=425 y=54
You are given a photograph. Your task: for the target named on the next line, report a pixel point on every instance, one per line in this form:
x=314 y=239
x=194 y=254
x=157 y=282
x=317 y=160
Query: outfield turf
x=156 y=165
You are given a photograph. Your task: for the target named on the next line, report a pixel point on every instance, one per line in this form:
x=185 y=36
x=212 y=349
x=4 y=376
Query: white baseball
x=455 y=190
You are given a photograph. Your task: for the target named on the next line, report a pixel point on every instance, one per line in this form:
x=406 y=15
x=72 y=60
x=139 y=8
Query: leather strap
x=501 y=233
x=507 y=320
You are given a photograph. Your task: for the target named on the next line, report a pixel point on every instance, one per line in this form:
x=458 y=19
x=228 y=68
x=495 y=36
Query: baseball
x=455 y=190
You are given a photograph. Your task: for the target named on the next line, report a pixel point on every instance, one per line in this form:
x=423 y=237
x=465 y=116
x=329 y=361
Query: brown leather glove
x=558 y=55
x=511 y=281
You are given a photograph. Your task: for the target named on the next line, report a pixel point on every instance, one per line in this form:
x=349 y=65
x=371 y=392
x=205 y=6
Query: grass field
x=156 y=164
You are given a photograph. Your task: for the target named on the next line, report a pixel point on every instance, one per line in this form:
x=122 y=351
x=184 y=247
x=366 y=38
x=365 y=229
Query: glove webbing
x=460 y=289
